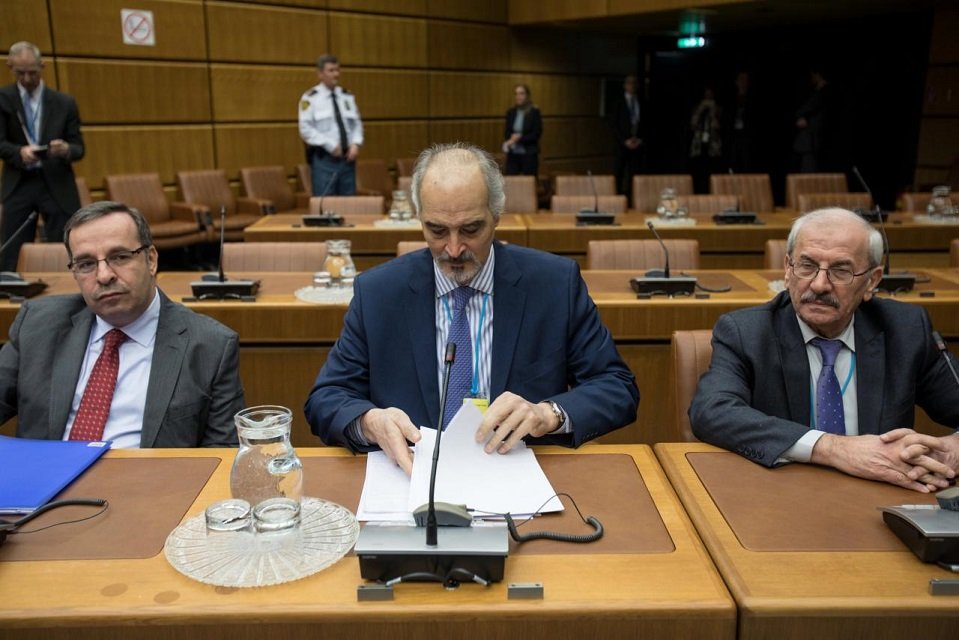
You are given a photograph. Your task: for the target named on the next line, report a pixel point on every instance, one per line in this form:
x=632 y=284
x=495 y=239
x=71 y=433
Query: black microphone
x=12 y=284
x=944 y=350
x=663 y=245
x=431 y=527
x=888 y=282
x=592 y=185
x=660 y=282
x=324 y=218
x=326 y=189
x=216 y=286
x=12 y=275
x=594 y=215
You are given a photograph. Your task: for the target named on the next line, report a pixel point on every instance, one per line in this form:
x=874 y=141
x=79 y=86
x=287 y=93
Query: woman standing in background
x=524 y=126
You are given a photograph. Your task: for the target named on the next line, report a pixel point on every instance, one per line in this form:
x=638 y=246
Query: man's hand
x=59 y=148
x=869 y=457
x=390 y=429
x=931 y=456
x=27 y=154
x=337 y=152
x=353 y=152
x=510 y=418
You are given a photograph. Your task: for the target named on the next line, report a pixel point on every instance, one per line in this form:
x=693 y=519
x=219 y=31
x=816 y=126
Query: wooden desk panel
x=833 y=593
x=676 y=595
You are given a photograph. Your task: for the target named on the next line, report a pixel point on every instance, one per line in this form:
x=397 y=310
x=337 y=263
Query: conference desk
x=373 y=238
x=734 y=246
x=649 y=577
x=804 y=550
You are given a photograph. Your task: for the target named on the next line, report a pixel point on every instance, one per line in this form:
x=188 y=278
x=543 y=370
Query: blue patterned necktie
x=461 y=373
x=829 y=411
x=29 y=113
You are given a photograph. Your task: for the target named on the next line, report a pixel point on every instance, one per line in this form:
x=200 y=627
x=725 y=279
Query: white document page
x=386 y=491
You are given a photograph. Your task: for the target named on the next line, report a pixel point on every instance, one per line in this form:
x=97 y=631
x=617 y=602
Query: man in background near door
x=332 y=130
x=628 y=123
x=39 y=140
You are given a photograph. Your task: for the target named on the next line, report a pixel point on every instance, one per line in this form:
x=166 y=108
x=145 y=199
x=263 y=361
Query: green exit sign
x=692 y=42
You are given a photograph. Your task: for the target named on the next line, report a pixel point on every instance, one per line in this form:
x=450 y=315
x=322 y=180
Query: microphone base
x=589 y=217
x=244 y=290
x=871 y=215
x=674 y=286
x=897 y=282
x=389 y=552
x=21 y=290
x=734 y=217
x=323 y=220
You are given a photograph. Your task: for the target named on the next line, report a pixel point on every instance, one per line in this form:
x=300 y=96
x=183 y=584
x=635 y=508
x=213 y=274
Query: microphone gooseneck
x=592 y=185
x=19 y=232
x=222 y=275
x=882 y=224
x=431 y=525
x=326 y=189
x=663 y=245
x=944 y=350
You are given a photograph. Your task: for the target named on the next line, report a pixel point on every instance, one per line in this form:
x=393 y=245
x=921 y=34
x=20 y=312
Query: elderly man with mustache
x=826 y=373
x=530 y=343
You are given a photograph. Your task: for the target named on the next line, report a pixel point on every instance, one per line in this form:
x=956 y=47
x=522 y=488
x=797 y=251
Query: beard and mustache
x=462 y=268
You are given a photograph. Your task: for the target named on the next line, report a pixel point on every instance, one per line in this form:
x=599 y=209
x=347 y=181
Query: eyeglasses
x=807 y=270
x=118 y=260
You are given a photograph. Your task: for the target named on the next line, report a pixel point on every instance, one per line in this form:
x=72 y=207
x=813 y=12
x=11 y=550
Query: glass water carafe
x=940 y=204
x=266 y=466
x=338 y=262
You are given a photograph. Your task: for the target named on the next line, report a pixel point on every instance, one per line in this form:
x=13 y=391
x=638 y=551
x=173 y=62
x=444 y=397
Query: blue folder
x=33 y=471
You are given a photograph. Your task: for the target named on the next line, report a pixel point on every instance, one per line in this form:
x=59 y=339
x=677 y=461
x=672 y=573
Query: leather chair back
x=691 y=353
x=812 y=201
x=409 y=246
x=916 y=202
x=373 y=178
x=208 y=187
x=305 y=175
x=269 y=183
x=346 y=205
x=143 y=191
x=38 y=257
x=84 y=191
x=797 y=183
x=520 y=194
x=707 y=205
x=580 y=185
x=573 y=204
x=404 y=166
x=754 y=189
x=403 y=183
x=775 y=254
x=954 y=253
x=641 y=254
x=273 y=256
x=647 y=189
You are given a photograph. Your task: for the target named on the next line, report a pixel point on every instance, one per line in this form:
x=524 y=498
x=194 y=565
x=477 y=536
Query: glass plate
x=323 y=295
x=241 y=559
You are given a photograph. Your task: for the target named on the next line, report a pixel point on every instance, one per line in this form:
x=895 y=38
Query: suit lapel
x=508 y=309
x=792 y=354
x=870 y=373
x=168 y=350
x=72 y=347
x=43 y=131
x=420 y=312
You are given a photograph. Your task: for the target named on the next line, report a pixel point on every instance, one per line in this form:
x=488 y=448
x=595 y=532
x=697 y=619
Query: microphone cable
x=557 y=536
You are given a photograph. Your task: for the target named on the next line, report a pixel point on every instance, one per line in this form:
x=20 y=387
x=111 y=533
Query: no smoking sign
x=138 y=28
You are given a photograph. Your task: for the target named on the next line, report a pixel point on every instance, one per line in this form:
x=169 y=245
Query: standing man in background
x=332 y=130
x=627 y=122
x=39 y=140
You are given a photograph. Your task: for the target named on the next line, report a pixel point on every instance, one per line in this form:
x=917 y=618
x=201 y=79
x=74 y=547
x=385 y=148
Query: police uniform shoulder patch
x=304 y=105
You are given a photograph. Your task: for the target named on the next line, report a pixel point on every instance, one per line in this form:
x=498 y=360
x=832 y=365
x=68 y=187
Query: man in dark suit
x=175 y=380
x=39 y=140
x=628 y=123
x=828 y=374
x=535 y=350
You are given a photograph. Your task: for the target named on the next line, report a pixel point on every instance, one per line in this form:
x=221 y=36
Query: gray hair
x=325 y=59
x=103 y=208
x=461 y=153
x=19 y=47
x=875 y=245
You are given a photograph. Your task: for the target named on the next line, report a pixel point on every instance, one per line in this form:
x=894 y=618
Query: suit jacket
x=548 y=343
x=755 y=397
x=619 y=121
x=60 y=118
x=194 y=387
x=532 y=128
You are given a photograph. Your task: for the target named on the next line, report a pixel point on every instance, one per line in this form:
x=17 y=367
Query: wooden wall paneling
x=479 y=10
x=944 y=46
x=469 y=95
x=633 y=7
x=487 y=134
x=17 y=23
x=937 y=137
x=390 y=140
x=401 y=7
x=309 y=4
x=458 y=45
x=533 y=11
x=241 y=33
x=388 y=93
x=251 y=145
x=251 y=93
x=118 y=92
x=927 y=177
x=564 y=95
x=94 y=28
x=572 y=51
x=942 y=91
x=596 y=164
x=145 y=149
x=364 y=40
x=565 y=137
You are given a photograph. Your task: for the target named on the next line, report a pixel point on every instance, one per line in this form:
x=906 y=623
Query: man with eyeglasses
x=120 y=361
x=40 y=140
x=828 y=374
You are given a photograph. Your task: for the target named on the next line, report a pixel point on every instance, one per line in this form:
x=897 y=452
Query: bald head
x=454 y=164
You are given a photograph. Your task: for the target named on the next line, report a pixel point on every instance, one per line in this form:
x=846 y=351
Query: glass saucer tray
x=242 y=559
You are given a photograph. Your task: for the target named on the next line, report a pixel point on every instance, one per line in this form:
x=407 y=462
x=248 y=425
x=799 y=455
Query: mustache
x=464 y=258
x=824 y=298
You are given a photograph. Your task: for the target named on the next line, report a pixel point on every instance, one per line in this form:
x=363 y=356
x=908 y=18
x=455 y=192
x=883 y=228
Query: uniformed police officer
x=331 y=128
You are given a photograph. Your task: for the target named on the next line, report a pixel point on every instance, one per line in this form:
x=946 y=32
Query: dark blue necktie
x=461 y=373
x=829 y=412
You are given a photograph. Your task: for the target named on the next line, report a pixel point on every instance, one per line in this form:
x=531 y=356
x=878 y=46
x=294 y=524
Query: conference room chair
x=211 y=189
x=270 y=187
x=520 y=194
x=374 y=179
x=707 y=204
x=403 y=184
x=305 y=175
x=799 y=183
x=409 y=246
x=84 y=191
x=954 y=253
x=641 y=254
x=648 y=188
x=273 y=256
x=173 y=225
x=754 y=189
x=573 y=204
x=37 y=257
x=578 y=185
x=404 y=167
x=916 y=202
x=348 y=205
x=852 y=201
x=774 y=255
x=691 y=352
